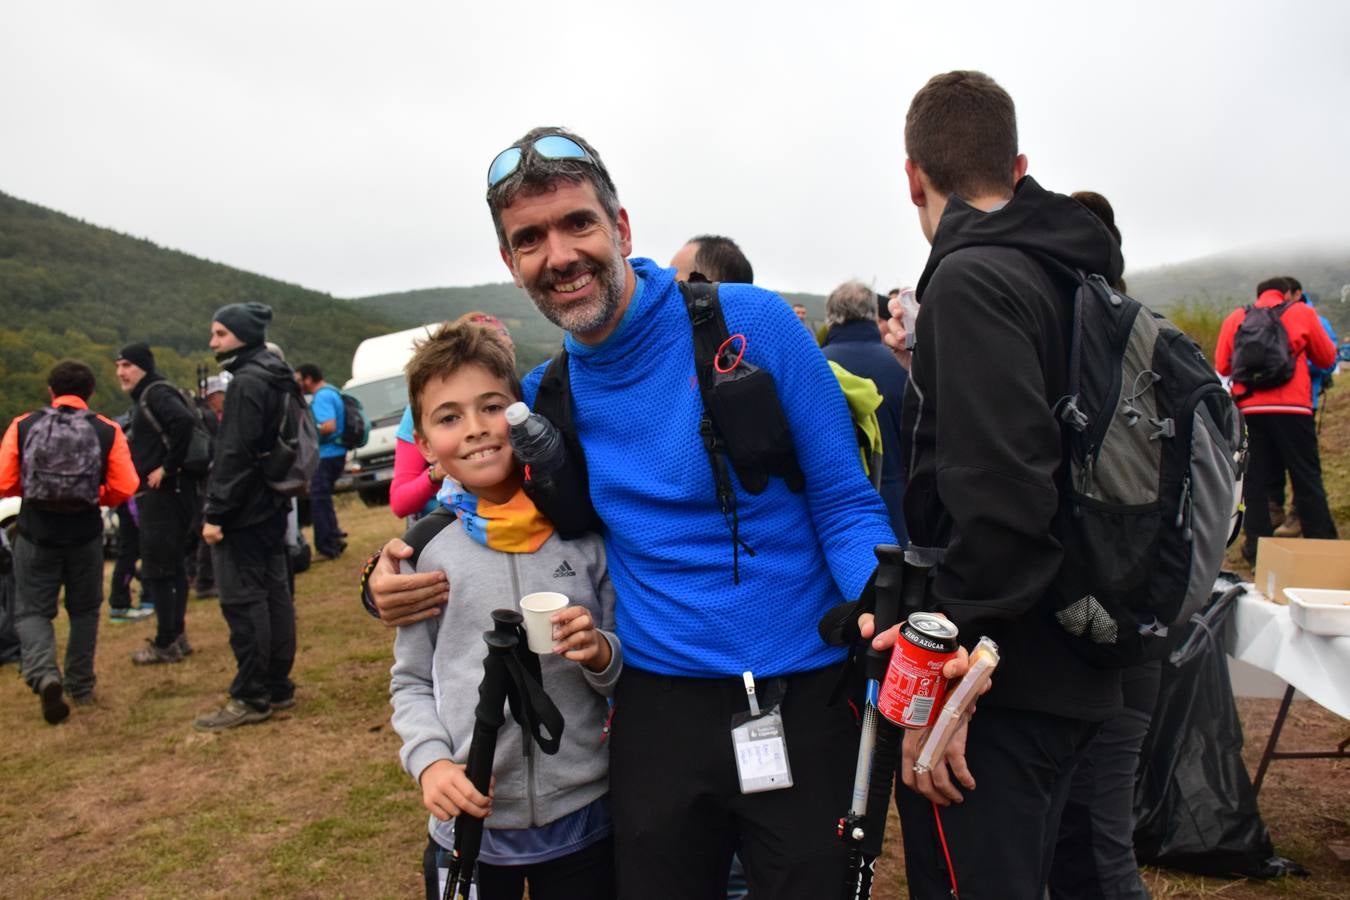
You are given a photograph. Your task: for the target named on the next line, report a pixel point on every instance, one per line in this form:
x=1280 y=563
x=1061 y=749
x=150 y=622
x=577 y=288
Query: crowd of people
x=187 y=477
x=696 y=594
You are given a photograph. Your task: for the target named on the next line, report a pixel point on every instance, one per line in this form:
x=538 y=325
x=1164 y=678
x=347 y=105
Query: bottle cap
x=517 y=413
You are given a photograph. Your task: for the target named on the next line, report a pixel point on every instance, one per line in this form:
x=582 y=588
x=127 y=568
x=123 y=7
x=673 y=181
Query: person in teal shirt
x=326 y=406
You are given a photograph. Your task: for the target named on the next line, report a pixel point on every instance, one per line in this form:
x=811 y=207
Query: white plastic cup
x=538 y=609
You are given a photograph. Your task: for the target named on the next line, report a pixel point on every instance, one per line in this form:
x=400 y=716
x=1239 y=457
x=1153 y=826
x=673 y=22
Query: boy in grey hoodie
x=547 y=816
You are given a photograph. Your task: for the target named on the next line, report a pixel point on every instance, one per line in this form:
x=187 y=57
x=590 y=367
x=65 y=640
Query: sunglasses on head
x=550 y=146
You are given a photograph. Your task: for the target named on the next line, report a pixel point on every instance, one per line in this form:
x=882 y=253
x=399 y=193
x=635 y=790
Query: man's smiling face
x=567 y=254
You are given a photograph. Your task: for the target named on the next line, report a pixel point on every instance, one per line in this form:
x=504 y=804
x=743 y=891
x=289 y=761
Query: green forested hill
x=1228 y=281
x=70 y=289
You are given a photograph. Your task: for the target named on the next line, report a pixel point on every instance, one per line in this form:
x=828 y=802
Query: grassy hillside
x=70 y=289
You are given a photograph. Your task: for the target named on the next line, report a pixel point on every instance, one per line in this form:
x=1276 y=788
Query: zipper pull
x=1184 y=501
x=609 y=724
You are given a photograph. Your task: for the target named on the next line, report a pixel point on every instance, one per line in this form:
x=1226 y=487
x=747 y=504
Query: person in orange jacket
x=66 y=462
x=1280 y=427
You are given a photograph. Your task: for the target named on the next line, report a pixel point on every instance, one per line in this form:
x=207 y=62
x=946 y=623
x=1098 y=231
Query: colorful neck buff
x=515 y=526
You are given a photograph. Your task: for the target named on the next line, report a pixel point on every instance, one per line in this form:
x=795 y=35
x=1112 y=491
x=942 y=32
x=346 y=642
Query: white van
x=377 y=381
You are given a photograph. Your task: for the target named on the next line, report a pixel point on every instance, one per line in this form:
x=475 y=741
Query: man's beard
x=591 y=314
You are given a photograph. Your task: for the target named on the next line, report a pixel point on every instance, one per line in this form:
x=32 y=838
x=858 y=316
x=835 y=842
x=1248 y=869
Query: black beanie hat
x=246 y=321
x=138 y=354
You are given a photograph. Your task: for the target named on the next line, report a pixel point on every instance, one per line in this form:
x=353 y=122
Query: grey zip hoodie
x=438 y=664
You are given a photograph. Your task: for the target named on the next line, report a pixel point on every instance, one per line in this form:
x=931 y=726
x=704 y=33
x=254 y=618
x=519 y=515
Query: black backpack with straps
x=1262 y=357
x=743 y=426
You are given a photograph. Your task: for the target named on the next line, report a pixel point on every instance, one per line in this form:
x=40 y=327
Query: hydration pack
x=1154 y=452
x=1261 y=355
x=63 y=459
x=743 y=425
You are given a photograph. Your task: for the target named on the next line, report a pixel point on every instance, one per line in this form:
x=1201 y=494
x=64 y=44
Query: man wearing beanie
x=160 y=433
x=245 y=520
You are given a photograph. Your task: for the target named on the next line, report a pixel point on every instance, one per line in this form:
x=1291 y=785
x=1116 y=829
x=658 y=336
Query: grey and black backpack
x=1154 y=454
x=63 y=459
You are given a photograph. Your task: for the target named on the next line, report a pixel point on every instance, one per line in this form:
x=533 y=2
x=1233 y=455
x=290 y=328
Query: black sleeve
x=234 y=473
x=176 y=418
x=998 y=447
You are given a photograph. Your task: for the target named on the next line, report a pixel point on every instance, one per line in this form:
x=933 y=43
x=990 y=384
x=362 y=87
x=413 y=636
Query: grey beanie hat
x=246 y=321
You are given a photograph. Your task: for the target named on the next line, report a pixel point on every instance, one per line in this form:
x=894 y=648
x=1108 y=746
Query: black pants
x=1276 y=442
x=588 y=874
x=327 y=538
x=678 y=810
x=255 y=599
x=1002 y=837
x=166 y=516
x=128 y=552
x=1094 y=853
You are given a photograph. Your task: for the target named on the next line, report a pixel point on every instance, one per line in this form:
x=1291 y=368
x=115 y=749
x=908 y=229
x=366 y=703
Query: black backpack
x=1154 y=452
x=199 y=453
x=355 y=424
x=289 y=464
x=1262 y=358
x=63 y=459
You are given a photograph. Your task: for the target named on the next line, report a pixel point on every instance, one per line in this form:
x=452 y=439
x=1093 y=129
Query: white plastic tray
x=1319 y=610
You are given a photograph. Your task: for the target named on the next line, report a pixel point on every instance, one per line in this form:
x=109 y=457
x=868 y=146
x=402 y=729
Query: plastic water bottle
x=909 y=311
x=536 y=441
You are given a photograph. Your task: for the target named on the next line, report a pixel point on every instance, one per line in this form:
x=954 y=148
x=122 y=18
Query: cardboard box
x=1298 y=562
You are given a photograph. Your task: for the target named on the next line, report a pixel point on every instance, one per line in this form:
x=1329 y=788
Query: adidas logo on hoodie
x=564 y=571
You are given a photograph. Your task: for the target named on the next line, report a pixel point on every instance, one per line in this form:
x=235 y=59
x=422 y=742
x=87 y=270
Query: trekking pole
x=489 y=716
x=863 y=827
x=511 y=674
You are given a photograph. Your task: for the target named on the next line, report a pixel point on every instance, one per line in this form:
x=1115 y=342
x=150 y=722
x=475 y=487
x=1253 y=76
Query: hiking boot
x=54 y=708
x=231 y=715
x=1276 y=513
x=83 y=699
x=1291 y=528
x=283 y=703
x=184 y=648
x=151 y=655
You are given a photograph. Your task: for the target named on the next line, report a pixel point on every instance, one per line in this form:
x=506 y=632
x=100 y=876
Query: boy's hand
x=404 y=599
x=575 y=637
x=447 y=792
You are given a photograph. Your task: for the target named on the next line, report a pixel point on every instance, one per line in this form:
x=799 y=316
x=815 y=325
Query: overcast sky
x=343 y=146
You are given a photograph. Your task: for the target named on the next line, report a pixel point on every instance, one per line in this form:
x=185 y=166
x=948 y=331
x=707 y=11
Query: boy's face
x=463 y=427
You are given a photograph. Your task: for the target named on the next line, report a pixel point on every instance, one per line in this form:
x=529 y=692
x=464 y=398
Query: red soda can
x=914 y=687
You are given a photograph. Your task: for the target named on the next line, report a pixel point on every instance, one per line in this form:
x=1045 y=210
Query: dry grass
x=126 y=800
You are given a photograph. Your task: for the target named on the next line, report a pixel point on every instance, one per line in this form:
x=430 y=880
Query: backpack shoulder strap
x=426 y=528
x=709 y=327
x=553 y=399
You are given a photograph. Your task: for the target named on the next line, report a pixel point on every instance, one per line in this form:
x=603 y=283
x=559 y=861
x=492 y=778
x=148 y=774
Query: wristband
x=366 y=600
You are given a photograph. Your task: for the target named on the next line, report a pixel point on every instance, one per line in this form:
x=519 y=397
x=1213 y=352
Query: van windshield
x=383 y=400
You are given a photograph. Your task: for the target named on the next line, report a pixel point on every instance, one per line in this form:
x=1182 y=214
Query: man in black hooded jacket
x=159 y=434
x=245 y=520
x=989 y=362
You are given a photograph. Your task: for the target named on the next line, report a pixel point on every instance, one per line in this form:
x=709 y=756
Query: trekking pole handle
x=889 y=584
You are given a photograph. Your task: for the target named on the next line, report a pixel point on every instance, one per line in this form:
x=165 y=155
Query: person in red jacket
x=65 y=462
x=1280 y=428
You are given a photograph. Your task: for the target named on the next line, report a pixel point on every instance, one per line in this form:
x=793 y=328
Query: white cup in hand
x=538 y=610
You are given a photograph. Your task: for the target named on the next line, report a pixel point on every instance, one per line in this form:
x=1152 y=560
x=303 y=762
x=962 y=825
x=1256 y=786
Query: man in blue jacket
x=680 y=805
x=854 y=342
